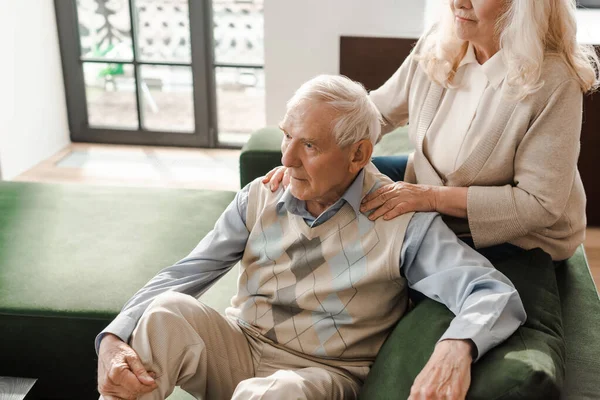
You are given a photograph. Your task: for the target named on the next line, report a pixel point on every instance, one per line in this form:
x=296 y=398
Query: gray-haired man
x=320 y=285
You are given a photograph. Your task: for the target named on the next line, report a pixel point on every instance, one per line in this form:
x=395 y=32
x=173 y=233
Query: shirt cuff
x=122 y=327
x=464 y=330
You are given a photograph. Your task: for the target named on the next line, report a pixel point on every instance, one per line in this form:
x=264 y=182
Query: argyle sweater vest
x=332 y=291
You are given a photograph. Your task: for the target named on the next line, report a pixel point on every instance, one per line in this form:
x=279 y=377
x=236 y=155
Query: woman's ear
x=360 y=155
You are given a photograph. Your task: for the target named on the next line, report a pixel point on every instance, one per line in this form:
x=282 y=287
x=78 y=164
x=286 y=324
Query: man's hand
x=121 y=374
x=447 y=374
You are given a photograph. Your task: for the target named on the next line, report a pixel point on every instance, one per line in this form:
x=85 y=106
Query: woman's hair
x=357 y=116
x=527 y=31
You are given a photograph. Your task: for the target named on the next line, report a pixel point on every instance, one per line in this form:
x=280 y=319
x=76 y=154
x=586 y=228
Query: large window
x=166 y=72
x=239 y=72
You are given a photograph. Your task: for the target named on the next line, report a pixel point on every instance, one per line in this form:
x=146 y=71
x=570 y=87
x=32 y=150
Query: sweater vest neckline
x=342 y=218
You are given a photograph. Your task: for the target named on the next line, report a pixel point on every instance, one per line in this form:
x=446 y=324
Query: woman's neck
x=484 y=52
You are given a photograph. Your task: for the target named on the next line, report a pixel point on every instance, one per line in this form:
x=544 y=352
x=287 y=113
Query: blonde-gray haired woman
x=492 y=95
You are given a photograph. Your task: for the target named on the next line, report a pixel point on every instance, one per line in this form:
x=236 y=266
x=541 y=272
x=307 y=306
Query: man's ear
x=360 y=155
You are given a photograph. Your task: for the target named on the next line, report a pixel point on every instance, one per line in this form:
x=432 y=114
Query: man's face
x=319 y=169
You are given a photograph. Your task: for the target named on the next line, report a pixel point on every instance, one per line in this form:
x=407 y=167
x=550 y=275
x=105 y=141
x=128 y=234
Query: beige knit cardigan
x=524 y=186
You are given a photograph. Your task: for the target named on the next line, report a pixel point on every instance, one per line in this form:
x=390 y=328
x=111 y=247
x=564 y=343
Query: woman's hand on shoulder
x=277 y=176
x=399 y=198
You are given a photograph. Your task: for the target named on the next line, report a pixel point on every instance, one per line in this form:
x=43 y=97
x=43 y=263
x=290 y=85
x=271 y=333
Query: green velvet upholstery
x=580 y=304
x=581 y=321
x=529 y=365
x=71 y=256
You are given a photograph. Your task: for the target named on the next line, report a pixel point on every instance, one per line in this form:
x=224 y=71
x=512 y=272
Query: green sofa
x=71 y=256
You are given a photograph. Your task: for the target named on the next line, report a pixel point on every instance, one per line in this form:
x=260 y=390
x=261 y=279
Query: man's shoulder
x=260 y=194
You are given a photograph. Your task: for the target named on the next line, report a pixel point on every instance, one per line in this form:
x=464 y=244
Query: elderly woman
x=492 y=95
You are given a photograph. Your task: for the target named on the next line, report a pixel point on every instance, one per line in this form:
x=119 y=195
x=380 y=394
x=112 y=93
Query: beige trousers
x=190 y=345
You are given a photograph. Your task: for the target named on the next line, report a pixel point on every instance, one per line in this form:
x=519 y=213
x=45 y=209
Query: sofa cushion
x=528 y=365
x=72 y=255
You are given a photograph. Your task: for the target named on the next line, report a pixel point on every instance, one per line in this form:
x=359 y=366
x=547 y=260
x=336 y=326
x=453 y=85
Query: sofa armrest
x=581 y=320
x=260 y=154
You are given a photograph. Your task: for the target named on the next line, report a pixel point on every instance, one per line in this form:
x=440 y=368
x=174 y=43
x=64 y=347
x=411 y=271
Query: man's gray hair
x=358 y=117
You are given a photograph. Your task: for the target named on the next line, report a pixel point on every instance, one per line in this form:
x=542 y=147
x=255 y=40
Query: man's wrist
x=463 y=346
x=107 y=338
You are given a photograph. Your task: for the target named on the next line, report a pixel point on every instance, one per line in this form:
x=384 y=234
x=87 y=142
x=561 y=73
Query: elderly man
x=320 y=285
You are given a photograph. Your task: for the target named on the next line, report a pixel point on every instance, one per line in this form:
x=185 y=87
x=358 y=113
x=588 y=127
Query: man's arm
x=212 y=258
x=438 y=264
x=488 y=308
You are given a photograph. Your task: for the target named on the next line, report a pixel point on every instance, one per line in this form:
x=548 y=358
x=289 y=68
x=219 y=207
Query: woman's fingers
x=286 y=179
x=270 y=174
x=274 y=178
x=277 y=178
x=377 y=198
x=388 y=207
x=398 y=198
x=399 y=209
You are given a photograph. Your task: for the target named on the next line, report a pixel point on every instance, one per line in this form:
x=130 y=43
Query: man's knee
x=283 y=384
x=173 y=302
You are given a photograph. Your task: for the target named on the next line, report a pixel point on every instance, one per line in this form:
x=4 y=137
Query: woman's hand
x=278 y=175
x=400 y=198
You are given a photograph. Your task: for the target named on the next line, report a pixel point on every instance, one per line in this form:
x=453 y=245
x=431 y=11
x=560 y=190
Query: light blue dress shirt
x=433 y=260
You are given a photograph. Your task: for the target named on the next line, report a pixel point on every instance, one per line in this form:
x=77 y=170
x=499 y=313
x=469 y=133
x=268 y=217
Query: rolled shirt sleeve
x=212 y=258
x=439 y=265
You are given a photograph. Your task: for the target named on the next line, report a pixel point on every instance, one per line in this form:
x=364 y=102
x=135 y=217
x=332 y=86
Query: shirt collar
x=352 y=196
x=494 y=68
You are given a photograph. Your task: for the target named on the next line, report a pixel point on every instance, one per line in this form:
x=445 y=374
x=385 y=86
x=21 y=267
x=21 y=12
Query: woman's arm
x=545 y=168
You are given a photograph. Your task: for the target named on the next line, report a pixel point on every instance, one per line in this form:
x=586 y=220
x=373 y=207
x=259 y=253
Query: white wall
x=302 y=38
x=432 y=11
x=33 y=112
x=588 y=26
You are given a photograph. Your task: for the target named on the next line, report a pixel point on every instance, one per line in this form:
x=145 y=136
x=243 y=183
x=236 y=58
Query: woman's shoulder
x=555 y=72
x=555 y=75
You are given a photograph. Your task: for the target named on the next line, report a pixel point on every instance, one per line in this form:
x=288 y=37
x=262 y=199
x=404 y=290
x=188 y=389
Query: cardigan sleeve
x=545 y=168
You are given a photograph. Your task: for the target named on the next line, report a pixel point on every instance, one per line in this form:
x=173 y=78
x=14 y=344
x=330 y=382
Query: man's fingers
x=139 y=370
x=124 y=382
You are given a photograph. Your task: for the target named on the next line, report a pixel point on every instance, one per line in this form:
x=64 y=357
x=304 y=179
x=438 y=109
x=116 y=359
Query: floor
x=146 y=166
x=216 y=169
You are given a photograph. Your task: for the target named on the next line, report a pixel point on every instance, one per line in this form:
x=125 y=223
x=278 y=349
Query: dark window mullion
x=136 y=65
x=135 y=62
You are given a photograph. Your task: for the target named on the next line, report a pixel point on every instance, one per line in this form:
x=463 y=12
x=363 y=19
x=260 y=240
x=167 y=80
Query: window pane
x=110 y=94
x=167 y=98
x=163 y=30
x=240 y=102
x=105 y=29
x=238 y=31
